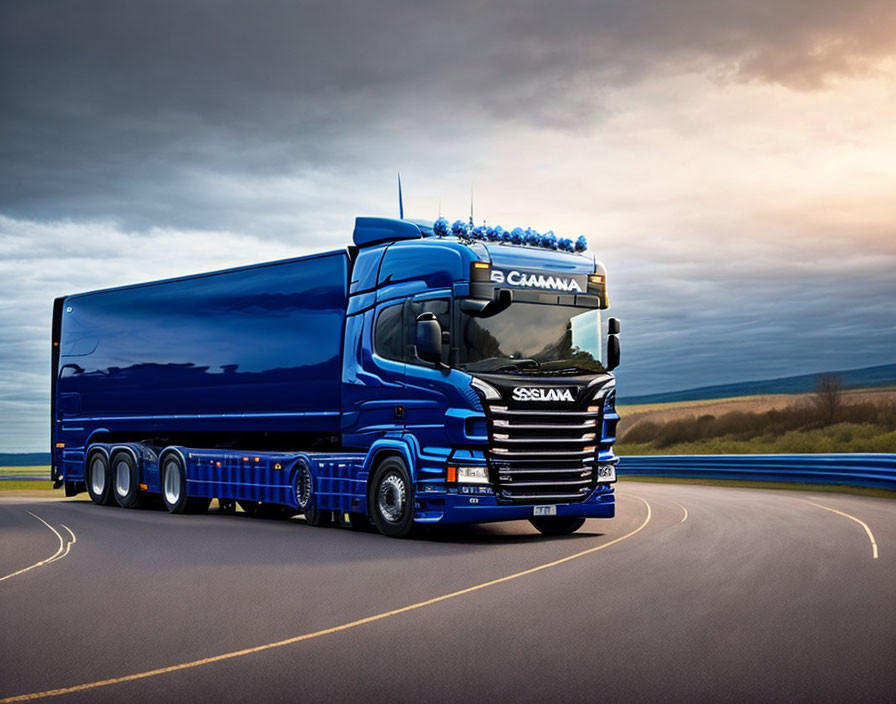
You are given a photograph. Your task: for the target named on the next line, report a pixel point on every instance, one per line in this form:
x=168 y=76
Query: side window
x=441 y=308
x=387 y=337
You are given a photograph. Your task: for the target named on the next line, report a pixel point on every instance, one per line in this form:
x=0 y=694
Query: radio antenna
x=400 y=202
x=471 y=205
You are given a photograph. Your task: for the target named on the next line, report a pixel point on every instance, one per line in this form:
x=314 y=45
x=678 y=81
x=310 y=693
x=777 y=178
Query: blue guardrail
x=872 y=470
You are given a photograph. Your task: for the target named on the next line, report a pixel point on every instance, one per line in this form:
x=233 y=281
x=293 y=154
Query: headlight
x=489 y=391
x=468 y=475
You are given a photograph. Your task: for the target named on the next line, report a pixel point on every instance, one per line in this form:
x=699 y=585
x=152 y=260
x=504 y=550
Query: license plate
x=606 y=473
x=544 y=510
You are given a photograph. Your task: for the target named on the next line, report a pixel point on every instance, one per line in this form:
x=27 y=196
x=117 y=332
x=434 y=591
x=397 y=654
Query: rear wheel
x=303 y=490
x=126 y=479
x=174 y=484
x=557 y=525
x=392 y=499
x=99 y=479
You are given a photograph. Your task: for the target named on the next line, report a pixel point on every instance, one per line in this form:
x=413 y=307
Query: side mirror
x=429 y=338
x=612 y=352
x=613 y=326
x=485 y=308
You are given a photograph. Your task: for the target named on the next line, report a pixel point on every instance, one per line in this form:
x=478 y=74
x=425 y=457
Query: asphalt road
x=693 y=593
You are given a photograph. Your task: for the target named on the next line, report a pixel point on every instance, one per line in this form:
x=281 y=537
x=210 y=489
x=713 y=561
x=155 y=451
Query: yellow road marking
x=852 y=518
x=42 y=562
x=324 y=632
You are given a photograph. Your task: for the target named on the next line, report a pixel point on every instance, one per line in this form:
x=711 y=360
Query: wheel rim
x=392 y=497
x=122 y=478
x=303 y=487
x=97 y=475
x=172 y=482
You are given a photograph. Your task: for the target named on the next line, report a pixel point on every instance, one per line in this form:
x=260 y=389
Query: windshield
x=532 y=339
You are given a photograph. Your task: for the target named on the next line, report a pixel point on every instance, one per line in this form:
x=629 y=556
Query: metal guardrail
x=871 y=470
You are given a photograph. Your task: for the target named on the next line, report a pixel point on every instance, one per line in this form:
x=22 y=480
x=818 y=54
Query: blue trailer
x=428 y=374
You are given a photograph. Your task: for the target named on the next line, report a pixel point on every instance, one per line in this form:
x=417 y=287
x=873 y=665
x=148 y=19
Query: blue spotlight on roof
x=441 y=227
x=506 y=236
x=581 y=244
x=532 y=238
x=460 y=228
x=478 y=233
x=550 y=242
x=565 y=244
x=518 y=235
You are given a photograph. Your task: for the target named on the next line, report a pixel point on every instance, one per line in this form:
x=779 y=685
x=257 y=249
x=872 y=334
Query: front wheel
x=392 y=499
x=557 y=525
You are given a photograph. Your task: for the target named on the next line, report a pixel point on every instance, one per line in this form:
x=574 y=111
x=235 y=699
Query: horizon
x=732 y=166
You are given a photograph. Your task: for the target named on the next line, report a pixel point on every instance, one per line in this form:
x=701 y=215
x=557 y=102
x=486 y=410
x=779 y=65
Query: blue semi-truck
x=427 y=374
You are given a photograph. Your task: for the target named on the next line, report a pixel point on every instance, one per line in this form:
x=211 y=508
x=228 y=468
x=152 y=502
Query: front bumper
x=444 y=508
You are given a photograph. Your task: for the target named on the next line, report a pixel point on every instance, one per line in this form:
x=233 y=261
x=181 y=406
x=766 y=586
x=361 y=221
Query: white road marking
x=852 y=518
x=685 y=512
x=48 y=560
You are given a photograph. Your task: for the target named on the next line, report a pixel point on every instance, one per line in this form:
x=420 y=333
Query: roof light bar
x=525 y=237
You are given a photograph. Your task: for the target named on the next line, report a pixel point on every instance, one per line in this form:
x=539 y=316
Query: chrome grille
x=543 y=455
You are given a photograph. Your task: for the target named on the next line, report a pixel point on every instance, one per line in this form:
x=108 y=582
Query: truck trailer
x=427 y=374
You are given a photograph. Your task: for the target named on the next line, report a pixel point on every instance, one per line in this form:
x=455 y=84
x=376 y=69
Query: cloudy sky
x=732 y=163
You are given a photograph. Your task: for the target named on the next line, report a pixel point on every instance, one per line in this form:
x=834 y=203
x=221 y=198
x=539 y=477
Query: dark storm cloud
x=109 y=107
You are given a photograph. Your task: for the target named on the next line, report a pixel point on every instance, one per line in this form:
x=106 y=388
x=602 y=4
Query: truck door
x=428 y=389
x=373 y=375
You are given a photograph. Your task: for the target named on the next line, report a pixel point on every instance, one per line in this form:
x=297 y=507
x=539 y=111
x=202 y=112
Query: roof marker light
x=581 y=244
x=441 y=227
x=460 y=228
x=517 y=235
x=550 y=242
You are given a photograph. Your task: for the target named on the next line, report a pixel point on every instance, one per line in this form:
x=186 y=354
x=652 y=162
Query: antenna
x=471 y=205
x=400 y=202
x=440 y=207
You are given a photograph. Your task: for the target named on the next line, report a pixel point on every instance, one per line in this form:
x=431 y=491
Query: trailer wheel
x=392 y=499
x=557 y=525
x=303 y=490
x=174 y=484
x=126 y=479
x=99 y=479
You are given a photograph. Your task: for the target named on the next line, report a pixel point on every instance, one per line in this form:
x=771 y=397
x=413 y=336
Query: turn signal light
x=597 y=279
x=452 y=474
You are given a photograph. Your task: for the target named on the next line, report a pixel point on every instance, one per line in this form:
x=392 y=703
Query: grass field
x=661 y=412
x=33 y=471
x=865 y=421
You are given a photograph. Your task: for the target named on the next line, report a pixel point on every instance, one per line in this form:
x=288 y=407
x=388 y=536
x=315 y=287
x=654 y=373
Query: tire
x=125 y=479
x=98 y=478
x=391 y=500
x=557 y=525
x=317 y=518
x=303 y=490
x=174 y=484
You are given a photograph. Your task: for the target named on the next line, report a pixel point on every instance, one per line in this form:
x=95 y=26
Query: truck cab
x=480 y=363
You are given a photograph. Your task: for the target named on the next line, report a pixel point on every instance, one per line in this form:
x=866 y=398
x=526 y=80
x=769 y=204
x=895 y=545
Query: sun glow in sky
x=733 y=164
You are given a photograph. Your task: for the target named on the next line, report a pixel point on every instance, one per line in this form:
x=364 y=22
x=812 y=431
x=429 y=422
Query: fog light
x=472 y=475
